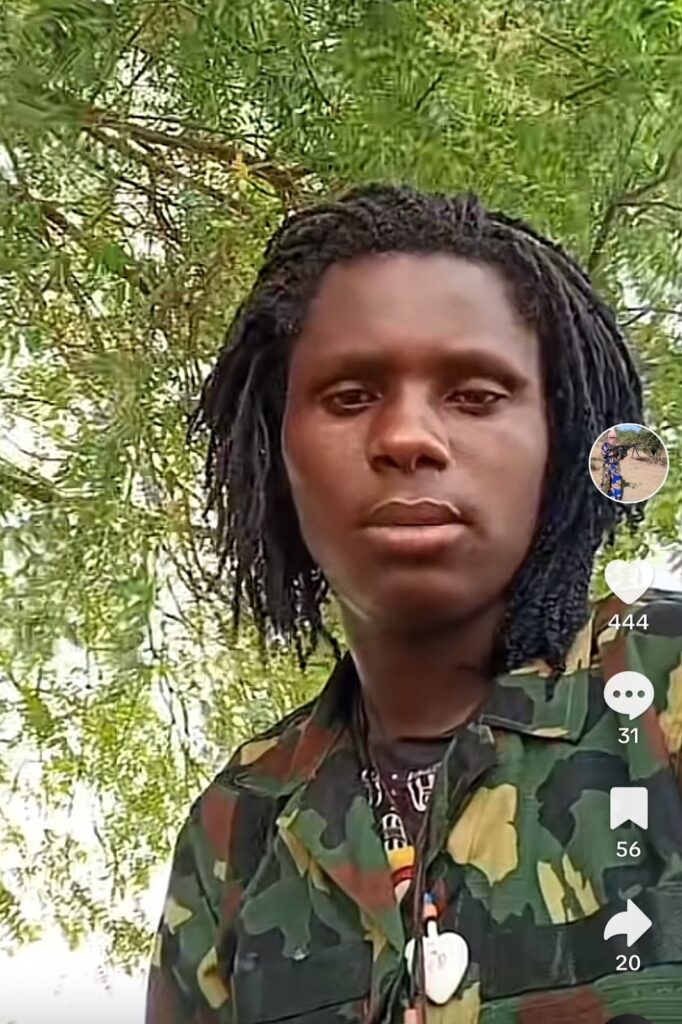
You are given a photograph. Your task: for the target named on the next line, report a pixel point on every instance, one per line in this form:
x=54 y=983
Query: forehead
x=394 y=300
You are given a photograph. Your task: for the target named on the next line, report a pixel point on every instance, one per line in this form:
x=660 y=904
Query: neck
x=421 y=685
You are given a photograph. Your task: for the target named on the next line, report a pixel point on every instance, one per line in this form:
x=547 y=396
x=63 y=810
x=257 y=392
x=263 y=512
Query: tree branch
x=603 y=233
x=162 y=169
x=639 y=312
x=612 y=208
x=645 y=204
x=565 y=48
x=431 y=87
x=634 y=197
x=52 y=215
x=135 y=34
x=606 y=78
x=668 y=172
x=304 y=56
x=225 y=153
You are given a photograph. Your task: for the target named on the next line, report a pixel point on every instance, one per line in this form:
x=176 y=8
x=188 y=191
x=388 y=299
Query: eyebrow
x=463 y=360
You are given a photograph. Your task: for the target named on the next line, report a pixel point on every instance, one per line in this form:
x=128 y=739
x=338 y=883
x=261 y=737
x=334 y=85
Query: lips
x=421 y=512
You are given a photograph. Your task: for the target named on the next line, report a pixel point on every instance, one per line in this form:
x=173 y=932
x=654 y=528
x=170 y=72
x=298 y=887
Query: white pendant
x=446 y=958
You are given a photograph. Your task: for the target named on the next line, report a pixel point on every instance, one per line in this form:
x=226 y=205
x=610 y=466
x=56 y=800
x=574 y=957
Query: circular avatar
x=629 y=463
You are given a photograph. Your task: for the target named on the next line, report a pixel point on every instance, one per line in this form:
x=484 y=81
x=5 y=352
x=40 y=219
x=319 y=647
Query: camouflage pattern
x=280 y=904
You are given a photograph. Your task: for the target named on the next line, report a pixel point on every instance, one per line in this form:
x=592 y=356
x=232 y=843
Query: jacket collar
x=283 y=758
x=526 y=700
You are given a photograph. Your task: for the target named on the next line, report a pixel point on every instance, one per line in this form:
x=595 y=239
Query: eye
x=477 y=399
x=349 y=399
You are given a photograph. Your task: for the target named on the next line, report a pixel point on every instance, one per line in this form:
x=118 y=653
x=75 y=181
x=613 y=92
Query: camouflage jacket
x=280 y=904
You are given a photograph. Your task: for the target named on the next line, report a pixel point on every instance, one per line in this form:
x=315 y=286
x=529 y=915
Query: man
x=402 y=414
x=612 y=453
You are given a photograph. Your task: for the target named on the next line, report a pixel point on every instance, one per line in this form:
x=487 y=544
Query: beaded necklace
x=436 y=960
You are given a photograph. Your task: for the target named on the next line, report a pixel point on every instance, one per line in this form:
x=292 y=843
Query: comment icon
x=629 y=693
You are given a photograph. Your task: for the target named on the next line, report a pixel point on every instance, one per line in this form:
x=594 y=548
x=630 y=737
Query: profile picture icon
x=628 y=463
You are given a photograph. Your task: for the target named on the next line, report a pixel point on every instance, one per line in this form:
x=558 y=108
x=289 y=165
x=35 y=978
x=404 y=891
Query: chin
x=418 y=607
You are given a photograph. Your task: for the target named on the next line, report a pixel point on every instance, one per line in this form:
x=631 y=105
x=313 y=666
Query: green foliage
x=149 y=149
x=645 y=440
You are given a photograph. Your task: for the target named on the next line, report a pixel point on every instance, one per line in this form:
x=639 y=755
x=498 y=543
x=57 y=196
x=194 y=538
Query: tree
x=149 y=150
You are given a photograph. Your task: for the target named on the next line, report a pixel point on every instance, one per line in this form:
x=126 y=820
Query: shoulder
x=283 y=735
x=227 y=822
x=268 y=751
x=239 y=808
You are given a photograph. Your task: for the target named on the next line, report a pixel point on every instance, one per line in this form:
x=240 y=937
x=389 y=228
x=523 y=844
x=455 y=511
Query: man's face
x=414 y=377
x=612 y=437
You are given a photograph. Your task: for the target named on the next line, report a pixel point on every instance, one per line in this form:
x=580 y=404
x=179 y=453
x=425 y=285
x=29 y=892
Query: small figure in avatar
x=612 y=481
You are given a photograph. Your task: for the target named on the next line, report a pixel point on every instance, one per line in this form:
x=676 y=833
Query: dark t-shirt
x=408 y=769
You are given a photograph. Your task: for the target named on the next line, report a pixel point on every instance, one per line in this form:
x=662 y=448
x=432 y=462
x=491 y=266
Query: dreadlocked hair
x=590 y=383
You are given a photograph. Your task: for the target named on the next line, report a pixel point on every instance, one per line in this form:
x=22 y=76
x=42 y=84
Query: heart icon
x=629 y=580
x=446 y=958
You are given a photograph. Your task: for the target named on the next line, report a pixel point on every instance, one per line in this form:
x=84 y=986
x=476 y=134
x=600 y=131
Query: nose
x=407 y=435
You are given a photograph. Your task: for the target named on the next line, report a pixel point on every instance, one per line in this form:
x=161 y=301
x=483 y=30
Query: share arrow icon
x=632 y=922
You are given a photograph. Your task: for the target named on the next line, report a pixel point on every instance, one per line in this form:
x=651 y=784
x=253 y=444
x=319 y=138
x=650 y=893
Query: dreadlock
x=589 y=378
